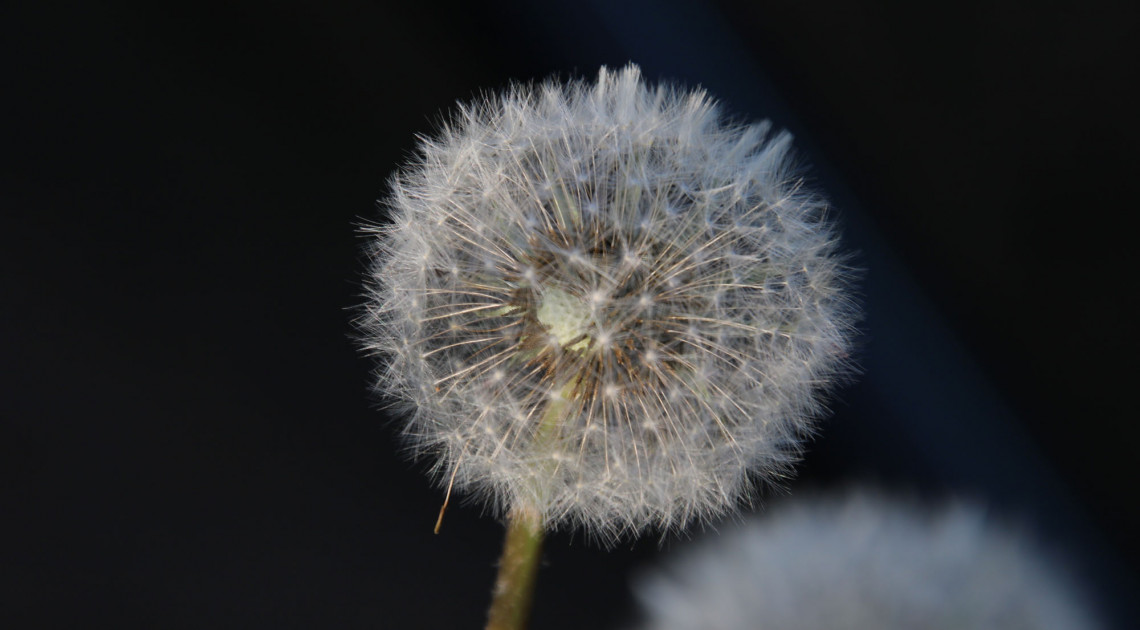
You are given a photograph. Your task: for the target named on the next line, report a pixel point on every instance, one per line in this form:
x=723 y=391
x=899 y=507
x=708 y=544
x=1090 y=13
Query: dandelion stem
x=518 y=568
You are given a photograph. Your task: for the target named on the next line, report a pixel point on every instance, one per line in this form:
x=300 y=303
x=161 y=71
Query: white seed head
x=865 y=562
x=606 y=303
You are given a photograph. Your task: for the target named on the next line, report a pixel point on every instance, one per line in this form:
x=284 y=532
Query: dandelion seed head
x=603 y=300
x=865 y=561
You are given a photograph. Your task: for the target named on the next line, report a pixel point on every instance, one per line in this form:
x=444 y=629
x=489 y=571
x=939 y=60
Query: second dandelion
x=605 y=305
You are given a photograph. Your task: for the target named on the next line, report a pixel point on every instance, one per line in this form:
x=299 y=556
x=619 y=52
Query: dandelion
x=605 y=306
x=864 y=561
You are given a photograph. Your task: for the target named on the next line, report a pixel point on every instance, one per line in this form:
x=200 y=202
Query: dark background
x=188 y=438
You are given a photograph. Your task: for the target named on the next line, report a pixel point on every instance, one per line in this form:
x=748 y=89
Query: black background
x=188 y=437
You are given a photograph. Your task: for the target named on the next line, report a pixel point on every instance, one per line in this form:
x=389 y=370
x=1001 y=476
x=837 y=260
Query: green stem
x=518 y=568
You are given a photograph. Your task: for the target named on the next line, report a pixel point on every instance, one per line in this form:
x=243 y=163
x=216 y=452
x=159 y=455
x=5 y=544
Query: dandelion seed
x=606 y=304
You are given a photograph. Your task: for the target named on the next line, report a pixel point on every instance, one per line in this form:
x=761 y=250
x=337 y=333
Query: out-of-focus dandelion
x=606 y=306
x=865 y=562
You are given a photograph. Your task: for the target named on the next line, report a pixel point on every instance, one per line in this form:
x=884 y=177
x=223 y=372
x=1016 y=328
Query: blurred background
x=188 y=439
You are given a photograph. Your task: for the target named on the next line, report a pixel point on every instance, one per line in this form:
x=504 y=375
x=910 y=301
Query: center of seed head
x=565 y=316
